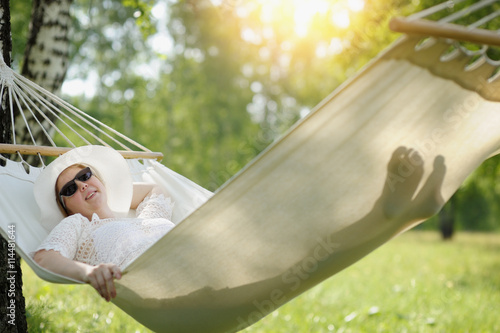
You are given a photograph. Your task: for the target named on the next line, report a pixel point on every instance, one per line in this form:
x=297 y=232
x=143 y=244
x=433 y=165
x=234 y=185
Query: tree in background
x=236 y=74
x=46 y=53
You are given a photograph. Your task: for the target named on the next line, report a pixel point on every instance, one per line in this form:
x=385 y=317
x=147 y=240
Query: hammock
x=383 y=153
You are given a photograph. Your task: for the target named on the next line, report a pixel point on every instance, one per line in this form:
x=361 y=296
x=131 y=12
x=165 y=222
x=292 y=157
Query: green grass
x=59 y=308
x=415 y=283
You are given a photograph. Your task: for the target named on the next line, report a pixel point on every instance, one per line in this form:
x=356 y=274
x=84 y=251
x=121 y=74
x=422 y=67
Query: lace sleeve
x=155 y=206
x=64 y=237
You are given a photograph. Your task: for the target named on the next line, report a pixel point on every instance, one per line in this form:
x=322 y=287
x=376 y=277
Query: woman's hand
x=102 y=277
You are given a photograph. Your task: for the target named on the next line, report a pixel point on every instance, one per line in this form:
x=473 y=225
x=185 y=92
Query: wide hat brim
x=108 y=165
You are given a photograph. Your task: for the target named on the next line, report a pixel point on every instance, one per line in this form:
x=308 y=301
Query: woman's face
x=90 y=196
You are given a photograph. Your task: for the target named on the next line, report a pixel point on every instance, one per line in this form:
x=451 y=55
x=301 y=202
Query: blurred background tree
x=212 y=83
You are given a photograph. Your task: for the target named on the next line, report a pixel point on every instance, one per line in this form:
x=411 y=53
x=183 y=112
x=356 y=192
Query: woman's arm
x=101 y=277
x=141 y=191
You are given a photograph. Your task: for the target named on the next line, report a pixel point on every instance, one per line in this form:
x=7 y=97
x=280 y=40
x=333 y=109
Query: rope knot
x=6 y=75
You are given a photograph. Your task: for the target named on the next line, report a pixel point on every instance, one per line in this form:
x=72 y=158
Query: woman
x=95 y=239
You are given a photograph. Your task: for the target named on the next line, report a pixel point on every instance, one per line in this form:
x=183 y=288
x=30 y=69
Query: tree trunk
x=6 y=50
x=12 y=306
x=46 y=56
x=447 y=219
x=47 y=51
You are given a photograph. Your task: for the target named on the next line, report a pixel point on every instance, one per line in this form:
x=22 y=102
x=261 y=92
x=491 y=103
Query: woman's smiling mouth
x=91 y=195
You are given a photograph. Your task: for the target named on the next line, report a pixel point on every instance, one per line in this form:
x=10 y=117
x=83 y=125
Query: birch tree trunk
x=12 y=306
x=47 y=51
x=46 y=55
x=6 y=50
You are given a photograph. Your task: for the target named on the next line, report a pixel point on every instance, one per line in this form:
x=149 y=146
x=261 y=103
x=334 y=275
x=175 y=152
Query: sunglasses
x=70 y=188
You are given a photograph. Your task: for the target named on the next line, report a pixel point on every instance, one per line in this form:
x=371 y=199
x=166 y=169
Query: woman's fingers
x=117 y=273
x=110 y=286
x=102 y=279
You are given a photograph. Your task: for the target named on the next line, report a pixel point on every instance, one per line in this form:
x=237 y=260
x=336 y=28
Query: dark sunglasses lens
x=87 y=173
x=69 y=189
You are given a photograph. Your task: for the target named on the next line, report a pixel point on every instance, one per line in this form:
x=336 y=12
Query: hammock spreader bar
x=444 y=30
x=42 y=106
x=56 y=151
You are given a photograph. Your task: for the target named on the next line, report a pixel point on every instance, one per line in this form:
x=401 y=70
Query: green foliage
x=219 y=97
x=142 y=14
x=474 y=211
x=477 y=205
x=289 y=67
x=71 y=308
x=20 y=11
x=479 y=198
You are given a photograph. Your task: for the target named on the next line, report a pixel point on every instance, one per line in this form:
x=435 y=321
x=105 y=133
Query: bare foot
x=429 y=200
x=404 y=173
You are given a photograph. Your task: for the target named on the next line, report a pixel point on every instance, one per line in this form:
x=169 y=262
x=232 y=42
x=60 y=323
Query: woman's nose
x=82 y=185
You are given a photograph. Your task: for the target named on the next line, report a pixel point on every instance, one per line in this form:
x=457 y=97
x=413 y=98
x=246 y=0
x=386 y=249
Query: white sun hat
x=108 y=165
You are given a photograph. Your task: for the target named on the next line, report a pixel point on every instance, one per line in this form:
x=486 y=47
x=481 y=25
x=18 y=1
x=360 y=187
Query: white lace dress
x=114 y=240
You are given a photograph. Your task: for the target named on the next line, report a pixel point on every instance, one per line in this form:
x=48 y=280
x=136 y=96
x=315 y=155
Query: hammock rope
x=379 y=155
x=434 y=9
x=51 y=114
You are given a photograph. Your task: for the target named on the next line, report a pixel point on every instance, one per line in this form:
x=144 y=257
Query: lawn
x=414 y=283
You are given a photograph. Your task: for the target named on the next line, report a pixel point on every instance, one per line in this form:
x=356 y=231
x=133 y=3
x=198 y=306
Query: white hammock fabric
x=320 y=199
x=378 y=156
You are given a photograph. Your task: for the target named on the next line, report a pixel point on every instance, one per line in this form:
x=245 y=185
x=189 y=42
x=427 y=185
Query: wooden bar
x=56 y=151
x=444 y=30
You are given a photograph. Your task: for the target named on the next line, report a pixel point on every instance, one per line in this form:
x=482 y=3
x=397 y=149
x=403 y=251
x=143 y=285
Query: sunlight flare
x=356 y=5
x=303 y=12
x=341 y=18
